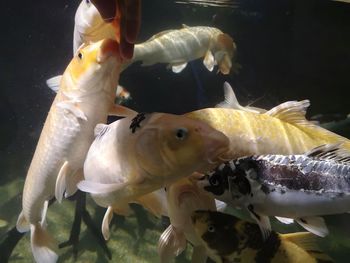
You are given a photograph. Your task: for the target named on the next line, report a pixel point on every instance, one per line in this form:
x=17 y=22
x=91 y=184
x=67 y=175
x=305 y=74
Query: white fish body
x=177 y=47
x=85 y=97
x=133 y=157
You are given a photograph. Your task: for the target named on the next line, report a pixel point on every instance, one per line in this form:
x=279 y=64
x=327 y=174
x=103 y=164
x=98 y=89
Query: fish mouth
x=108 y=48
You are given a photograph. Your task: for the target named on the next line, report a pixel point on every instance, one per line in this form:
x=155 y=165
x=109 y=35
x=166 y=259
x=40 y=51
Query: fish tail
x=308 y=242
x=43 y=245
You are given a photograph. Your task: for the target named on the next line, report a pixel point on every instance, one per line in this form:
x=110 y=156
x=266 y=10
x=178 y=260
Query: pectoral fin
x=209 y=60
x=54 y=83
x=171 y=243
x=98 y=188
x=22 y=224
x=61 y=181
x=106 y=221
x=315 y=225
x=285 y=220
x=262 y=220
x=73 y=109
x=121 y=111
x=155 y=202
x=177 y=68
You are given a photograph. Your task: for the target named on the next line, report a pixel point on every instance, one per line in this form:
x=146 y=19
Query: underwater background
x=286 y=50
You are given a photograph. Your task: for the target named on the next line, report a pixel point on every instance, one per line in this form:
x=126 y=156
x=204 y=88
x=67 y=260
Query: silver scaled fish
x=290 y=187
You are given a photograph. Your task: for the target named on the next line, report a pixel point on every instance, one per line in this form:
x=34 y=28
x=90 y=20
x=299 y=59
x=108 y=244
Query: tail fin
x=308 y=242
x=43 y=245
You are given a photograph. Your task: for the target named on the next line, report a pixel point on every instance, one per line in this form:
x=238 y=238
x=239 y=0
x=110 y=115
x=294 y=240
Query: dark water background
x=287 y=50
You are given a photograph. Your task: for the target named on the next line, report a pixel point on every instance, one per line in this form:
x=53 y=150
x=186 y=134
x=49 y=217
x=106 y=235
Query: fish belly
x=294 y=204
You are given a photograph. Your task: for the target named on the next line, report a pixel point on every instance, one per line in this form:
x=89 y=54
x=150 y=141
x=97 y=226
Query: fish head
x=175 y=146
x=224 y=51
x=95 y=67
x=217 y=230
x=227 y=182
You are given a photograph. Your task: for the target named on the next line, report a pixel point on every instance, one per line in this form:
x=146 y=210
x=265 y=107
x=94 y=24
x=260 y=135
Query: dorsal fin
x=185 y=26
x=334 y=152
x=292 y=112
x=231 y=101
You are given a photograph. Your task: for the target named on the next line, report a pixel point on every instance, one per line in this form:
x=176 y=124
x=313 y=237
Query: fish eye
x=181 y=133
x=80 y=55
x=211 y=228
x=213 y=181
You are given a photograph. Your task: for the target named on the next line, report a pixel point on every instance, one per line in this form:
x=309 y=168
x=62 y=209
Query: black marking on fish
x=218 y=181
x=224 y=240
x=135 y=122
x=269 y=249
x=303 y=173
x=225 y=178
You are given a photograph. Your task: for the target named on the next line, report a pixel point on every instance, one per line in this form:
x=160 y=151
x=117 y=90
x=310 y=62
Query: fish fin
x=155 y=202
x=178 y=67
x=262 y=220
x=43 y=213
x=308 y=242
x=22 y=224
x=43 y=245
x=315 y=225
x=171 y=243
x=199 y=254
x=292 y=112
x=333 y=152
x=106 y=222
x=209 y=60
x=122 y=111
x=61 y=181
x=220 y=205
x=54 y=83
x=101 y=129
x=98 y=188
x=71 y=182
x=230 y=100
x=185 y=26
x=225 y=65
x=70 y=107
x=285 y=220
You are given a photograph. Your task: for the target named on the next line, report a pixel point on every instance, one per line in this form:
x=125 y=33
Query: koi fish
x=281 y=130
x=229 y=239
x=178 y=47
x=290 y=187
x=85 y=98
x=132 y=157
x=183 y=198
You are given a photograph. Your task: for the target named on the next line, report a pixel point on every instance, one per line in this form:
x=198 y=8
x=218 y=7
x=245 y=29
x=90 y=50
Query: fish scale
x=301 y=187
